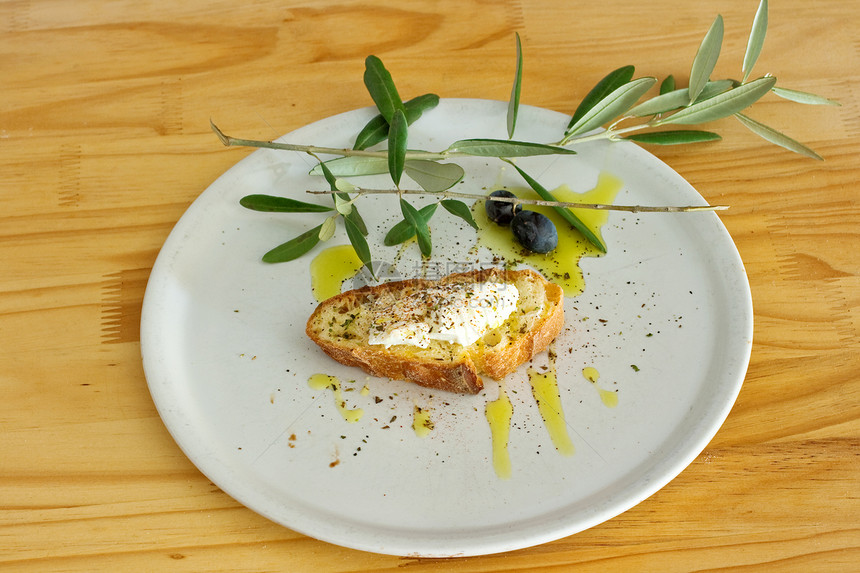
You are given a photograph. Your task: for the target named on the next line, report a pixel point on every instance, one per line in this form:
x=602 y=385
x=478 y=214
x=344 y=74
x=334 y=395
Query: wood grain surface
x=105 y=141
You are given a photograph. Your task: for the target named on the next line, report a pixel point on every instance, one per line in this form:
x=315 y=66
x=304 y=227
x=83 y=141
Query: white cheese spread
x=458 y=313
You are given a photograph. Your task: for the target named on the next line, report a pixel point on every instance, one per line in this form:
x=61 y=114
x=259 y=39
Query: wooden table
x=105 y=141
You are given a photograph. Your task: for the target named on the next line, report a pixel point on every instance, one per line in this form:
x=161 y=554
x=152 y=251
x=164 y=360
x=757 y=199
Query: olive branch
x=613 y=103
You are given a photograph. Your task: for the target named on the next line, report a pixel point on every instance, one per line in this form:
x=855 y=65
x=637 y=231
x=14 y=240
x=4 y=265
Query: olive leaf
x=505 y=148
x=433 y=176
x=354 y=165
x=679 y=98
x=344 y=185
x=706 y=58
x=357 y=220
x=274 y=204
x=381 y=87
x=329 y=176
x=460 y=209
x=514 y=102
x=662 y=103
x=397 y=141
x=376 y=130
x=723 y=105
x=673 y=137
x=803 y=97
x=359 y=243
x=756 y=40
x=419 y=224
x=327 y=228
x=353 y=213
x=404 y=230
x=612 y=81
x=715 y=88
x=294 y=248
x=613 y=105
x=776 y=137
x=565 y=213
x=343 y=205
x=667 y=85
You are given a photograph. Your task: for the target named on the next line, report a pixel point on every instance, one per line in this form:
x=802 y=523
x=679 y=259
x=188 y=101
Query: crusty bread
x=341 y=324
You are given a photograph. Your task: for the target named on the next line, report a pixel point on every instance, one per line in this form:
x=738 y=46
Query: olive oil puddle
x=324 y=381
x=561 y=265
x=330 y=268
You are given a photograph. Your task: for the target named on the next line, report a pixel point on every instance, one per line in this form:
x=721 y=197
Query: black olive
x=501 y=212
x=534 y=231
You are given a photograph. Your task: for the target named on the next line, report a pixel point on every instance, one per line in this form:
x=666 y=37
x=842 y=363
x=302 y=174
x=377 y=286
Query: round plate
x=665 y=318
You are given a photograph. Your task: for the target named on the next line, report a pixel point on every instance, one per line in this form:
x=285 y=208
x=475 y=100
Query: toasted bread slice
x=341 y=326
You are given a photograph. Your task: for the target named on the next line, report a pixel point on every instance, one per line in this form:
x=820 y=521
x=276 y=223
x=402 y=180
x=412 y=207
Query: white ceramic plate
x=227 y=361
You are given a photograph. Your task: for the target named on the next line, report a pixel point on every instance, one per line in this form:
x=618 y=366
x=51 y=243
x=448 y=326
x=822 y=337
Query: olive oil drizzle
x=499 y=413
x=608 y=397
x=545 y=391
x=323 y=381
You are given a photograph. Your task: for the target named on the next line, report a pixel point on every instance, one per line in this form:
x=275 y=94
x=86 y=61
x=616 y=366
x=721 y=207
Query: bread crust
x=460 y=375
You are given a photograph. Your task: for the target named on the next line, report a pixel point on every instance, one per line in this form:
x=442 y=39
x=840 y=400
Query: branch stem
x=518 y=201
x=230 y=141
x=610 y=133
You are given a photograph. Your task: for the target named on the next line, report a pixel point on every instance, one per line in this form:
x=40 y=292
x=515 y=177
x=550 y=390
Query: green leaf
x=662 y=103
x=678 y=98
x=294 y=248
x=273 y=204
x=354 y=165
x=376 y=130
x=803 y=97
x=327 y=228
x=344 y=185
x=459 y=209
x=505 y=148
x=714 y=88
x=403 y=231
x=397 y=141
x=342 y=204
x=777 y=138
x=329 y=176
x=723 y=105
x=357 y=220
x=612 y=106
x=667 y=85
x=566 y=214
x=612 y=81
x=432 y=176
x=674 y=137
x=706 y=58
x=756 y=41
x=422 y=231
x=353 y=214
x=514 y=102
x=359 y=243
x=373 y=132
x=381 y=88
x=416 y=107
